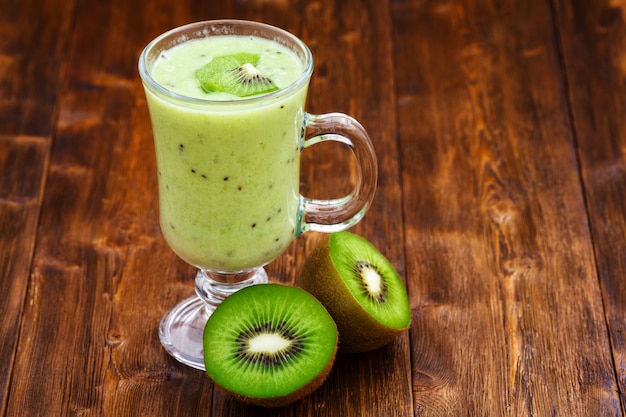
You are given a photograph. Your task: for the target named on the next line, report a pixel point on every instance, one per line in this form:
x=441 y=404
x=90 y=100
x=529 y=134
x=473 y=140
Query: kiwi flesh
x=360 y=289
x=235 y=74
x=269 y=344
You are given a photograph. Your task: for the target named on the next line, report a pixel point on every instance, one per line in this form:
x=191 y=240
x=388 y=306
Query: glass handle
x=339 y=214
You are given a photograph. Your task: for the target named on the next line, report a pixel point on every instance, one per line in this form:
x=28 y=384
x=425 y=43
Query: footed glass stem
x=182 y=327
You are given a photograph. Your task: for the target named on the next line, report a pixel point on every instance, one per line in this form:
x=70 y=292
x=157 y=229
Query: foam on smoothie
x=175 y=68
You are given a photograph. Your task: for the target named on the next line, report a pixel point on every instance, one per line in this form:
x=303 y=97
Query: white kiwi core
x=250 y=69
x=268 y=343
x=372 y=280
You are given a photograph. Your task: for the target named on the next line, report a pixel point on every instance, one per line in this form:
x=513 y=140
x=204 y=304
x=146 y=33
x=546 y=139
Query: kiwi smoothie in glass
x=228 y=178
x=226 y=100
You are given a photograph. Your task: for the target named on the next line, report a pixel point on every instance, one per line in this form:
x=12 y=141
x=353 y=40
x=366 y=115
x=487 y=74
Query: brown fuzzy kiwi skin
x=358 y=330
x=276 y=402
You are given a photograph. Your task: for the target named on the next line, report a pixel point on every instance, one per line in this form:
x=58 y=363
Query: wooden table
x=501 y=136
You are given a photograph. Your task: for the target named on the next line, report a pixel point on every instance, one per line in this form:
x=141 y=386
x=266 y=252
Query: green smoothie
x=228 y=167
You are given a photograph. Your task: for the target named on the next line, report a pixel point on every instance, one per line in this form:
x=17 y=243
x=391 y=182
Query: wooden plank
x=508 y=313
x=22 y=162
x=32 y=48
x=593 y=41
x=31 y=52
x=103 y=276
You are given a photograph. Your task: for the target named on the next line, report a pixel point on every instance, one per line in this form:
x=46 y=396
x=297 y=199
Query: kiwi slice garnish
x=360 y=288
x=235 y=74
x=269 y=344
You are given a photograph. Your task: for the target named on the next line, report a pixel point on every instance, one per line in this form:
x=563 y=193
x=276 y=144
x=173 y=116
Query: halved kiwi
x=235 y=74
x=360 y=288
x=269 y=344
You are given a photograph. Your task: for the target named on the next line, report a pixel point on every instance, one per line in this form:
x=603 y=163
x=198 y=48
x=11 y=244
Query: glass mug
x=229 y=175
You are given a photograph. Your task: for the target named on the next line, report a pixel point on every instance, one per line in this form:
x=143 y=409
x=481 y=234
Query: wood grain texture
x=507 y=305
x=33 y=38
x=22 y=160
x=31 y=57
x=101 y=260
x=595 y=32
x=500 y=135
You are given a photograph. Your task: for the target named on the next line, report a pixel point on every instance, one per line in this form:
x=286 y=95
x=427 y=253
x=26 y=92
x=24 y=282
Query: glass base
x=181 y=329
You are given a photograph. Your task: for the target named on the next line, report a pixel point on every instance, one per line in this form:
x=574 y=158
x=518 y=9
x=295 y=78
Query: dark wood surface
x=501 y=136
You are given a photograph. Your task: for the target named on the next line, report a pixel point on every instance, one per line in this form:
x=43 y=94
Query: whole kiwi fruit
x=269 y=344
x=360 y=288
